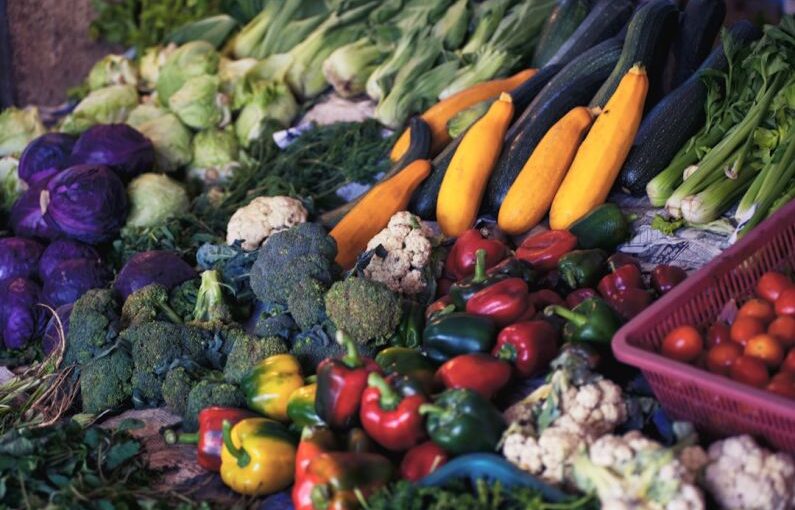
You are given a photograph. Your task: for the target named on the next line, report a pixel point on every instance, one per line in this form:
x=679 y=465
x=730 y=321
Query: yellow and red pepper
x=270 y=383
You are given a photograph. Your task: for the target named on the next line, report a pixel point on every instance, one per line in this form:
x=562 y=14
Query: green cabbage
x=194 y=59
x=112 y=70
x=215 y=155
x=172 y=141
x=108 y=105
x=17 y=128
x=150 y=64
x=154 y=198
x=198 y=103
x=274 y=102
x=143 y=113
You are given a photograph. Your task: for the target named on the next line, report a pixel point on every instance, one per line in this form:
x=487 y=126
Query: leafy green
x=667 y=226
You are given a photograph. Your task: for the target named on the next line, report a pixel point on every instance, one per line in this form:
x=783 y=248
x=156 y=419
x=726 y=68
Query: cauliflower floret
x=741 y=475
x=407 y=242
x=598 y=406
x=548 y=456
x=263 y=217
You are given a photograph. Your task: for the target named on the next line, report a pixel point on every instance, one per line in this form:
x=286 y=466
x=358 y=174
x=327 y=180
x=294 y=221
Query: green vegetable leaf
x=667 y=226
x=121 y=453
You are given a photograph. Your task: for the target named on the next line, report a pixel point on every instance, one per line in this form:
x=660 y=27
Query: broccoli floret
x=105 y=381
x=306 y=304
x=210 y=304
x=176 y=387
x=148 y=304
x=182 y=298
x=246 y=352
x=210 y=392
x=93 y=326
x=313 y=346
x=364 y=309
x=302 y=239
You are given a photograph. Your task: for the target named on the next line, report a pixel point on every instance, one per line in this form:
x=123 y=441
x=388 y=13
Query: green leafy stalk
x=716 y=199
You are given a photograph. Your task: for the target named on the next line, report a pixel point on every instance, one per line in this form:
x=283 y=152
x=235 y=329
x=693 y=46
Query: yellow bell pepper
x=258 y=456
x=270 y=383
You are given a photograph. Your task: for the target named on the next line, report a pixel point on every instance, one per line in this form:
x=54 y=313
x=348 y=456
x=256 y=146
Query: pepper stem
x=431 y=409
x=171 y=437
x=480 y=266
x=577 y=319
x=242 y=456
x=507 y=353
x=389 y=398
x=351 y=358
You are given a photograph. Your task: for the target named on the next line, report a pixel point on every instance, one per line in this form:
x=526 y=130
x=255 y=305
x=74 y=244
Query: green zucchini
x=573 y=86
x=561 y=24
x=423 y=201
x=648 y=40
x=604 y=21
x=698 y=27
x=605 y=227
x=668 y=126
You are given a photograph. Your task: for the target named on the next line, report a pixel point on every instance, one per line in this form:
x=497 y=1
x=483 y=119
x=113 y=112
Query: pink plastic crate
x=716 y=403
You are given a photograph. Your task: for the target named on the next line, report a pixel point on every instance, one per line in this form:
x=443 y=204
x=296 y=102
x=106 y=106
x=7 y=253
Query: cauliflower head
x=263 y=217
x=741 y=475
x=406 y=241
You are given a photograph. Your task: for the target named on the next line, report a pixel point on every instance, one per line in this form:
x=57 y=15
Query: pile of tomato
x=757 y=347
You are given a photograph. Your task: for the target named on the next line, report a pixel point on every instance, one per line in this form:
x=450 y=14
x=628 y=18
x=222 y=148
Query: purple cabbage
x=26 y=219
x=163 y=267
x=19 y=257
x=51 y=337
x=119 y=146
x=71 y=279
x=21 y=317
x=86 y=203
x=44 y=157
x=61 y=251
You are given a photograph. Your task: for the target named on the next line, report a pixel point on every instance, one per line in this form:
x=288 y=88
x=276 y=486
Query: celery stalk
x=246 y=42
x=488 y=16
x=488 y=63
x=716 y=199
x=783 y=199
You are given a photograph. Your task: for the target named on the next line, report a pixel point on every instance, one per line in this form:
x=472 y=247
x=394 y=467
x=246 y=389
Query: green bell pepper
x=583 y=268
x=448 y=335
x=409 y=331
x=409 y=362
x=591 y=321
x=461 y=421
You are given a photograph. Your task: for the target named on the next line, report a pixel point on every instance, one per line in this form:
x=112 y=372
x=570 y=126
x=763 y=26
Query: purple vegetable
x=119 y=146
x=44 y=157
x=19 y=257
x=21 y=317
x=71 y=279
x=52 y=337
x=86 y=203
x=163 y=267
x=26 y=219
x=63 y=250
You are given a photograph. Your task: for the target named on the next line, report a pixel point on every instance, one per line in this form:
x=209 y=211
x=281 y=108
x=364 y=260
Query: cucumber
x=676 y=118
x=605 y=227
x=561 y=24
x=699 y=25
x=573 y=86
x=648 y=40
x=604 y=21
x=423 y=201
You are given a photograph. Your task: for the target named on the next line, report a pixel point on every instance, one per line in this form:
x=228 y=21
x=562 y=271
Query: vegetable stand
x=378 y=255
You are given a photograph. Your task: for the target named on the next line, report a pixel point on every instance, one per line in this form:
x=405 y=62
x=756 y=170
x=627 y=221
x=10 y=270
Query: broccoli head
x=105 y=381
x=176 y=387
x=182 y=298
x=246 y=352
x=306 y=304
x=149 y=303
x=313 y=346
x=364 y=309
x=93 y=326
x=210 y=392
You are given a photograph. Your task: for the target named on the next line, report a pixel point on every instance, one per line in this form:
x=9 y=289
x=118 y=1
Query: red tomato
x=789 y=362
x=718 y=333
x=782 y=383
x=757 y=309
x=745 y=328
x=683 y=344
x=750 y=370
x=785 y=304
x=720 y=358
x=766 y=348
x=783 y=328
x=771 y=285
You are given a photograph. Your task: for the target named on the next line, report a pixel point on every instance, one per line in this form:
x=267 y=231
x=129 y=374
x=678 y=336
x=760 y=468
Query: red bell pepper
x=619 y=259
x=475 y=371
x=541 y=299
x=437 y=306
x=624 y=291
x=422 y=460
x=576 y=297
x=503 y=302
x=209 y=439
x=314 y=441
x=460 y=261
x=391 y=415
x=528 y=346
x=665 y=277
x=543 y=250
x=340 y=384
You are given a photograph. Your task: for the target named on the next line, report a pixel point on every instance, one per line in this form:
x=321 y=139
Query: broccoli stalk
x=210 y=304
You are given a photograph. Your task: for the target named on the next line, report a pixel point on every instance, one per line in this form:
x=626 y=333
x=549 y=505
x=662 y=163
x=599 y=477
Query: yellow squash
x=373 y=211
x=468 y=173
x=602 y=153
x=438 y=115
x=531 y=194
